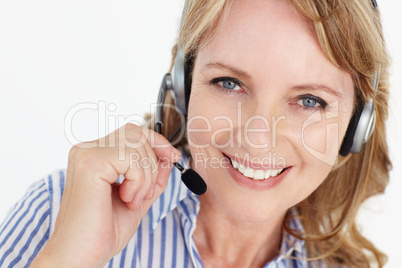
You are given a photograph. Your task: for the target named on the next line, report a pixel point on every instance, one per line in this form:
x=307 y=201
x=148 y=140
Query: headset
x=359 y=130
x=362 y=123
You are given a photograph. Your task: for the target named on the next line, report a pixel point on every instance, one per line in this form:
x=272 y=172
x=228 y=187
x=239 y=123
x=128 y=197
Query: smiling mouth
x=256 y=174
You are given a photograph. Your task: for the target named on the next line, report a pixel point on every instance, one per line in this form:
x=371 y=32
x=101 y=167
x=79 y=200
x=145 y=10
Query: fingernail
x=131 y=197
x=177 y=158
x=152 y=193
x=176 y=151
x=177 y=155
x=139 y=204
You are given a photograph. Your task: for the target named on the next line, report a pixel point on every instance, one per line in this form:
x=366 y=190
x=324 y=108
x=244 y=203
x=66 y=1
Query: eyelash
x=217 y=82
x=323 y=105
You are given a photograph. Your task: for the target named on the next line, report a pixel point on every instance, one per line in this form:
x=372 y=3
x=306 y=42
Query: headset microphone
x=192 y=180
x=189 y=177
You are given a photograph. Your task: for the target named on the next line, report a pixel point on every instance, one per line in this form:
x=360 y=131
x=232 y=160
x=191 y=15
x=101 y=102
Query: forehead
x=270 y=38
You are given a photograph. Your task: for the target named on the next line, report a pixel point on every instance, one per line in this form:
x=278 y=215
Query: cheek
x=198 y=132
x=320 y=138
x=321 y=134
x=199 y=126
x=210 y=121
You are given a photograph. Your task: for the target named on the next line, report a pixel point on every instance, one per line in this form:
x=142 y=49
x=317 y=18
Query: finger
x=154 y=171
x=166 y=153
x=136 y=137
x=143 y=190
x=164 y=170
x=147 y=162
x=129 y=188
x=141 y=176
x=134 y=176
x=161 y=146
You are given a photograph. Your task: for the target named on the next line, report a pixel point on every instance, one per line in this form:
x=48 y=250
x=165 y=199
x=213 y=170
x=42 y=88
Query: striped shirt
x=164 y=237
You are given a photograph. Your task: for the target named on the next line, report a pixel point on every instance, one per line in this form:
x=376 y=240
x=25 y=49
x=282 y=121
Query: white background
x=55 y=55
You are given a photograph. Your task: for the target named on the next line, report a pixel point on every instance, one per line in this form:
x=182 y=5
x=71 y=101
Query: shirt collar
x=292 y=246
x=174 y=193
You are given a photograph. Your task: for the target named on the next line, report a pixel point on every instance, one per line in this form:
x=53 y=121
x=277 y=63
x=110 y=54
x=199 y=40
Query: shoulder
x=27 y=226
x=55 y=183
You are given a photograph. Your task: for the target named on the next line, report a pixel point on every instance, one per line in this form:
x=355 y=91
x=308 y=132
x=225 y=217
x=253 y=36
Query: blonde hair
x=350 y=35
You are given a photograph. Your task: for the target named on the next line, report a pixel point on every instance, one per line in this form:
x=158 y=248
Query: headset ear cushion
x=347 y=142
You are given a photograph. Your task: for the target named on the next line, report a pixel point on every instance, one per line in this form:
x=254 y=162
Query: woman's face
x=265 y=96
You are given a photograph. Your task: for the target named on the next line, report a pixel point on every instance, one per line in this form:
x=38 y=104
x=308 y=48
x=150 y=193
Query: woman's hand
x=98 y=216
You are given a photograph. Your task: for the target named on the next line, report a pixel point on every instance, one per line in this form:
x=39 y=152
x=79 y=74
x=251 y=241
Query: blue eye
x=227 y=83
x=310 y=102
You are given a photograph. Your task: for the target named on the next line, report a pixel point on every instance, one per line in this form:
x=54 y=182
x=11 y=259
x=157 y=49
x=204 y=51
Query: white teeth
x=259 y=175
x=241 y=168
x=275 y=172
x=249 y=172
x=235 y=164
x=256 y=174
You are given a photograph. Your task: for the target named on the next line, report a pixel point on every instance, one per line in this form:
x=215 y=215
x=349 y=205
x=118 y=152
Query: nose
x=261 y=125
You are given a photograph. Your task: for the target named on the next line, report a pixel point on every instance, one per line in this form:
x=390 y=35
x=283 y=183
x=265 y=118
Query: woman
x=274 y=85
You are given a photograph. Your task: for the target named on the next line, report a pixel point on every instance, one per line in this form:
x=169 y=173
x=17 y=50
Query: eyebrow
x=314 y=86
x=234 y=70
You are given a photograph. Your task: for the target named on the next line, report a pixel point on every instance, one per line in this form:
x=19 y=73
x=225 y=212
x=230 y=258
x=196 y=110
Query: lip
x=256 y=185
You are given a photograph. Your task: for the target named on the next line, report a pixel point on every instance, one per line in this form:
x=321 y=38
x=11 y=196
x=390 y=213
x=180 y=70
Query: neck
x=223 y=241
